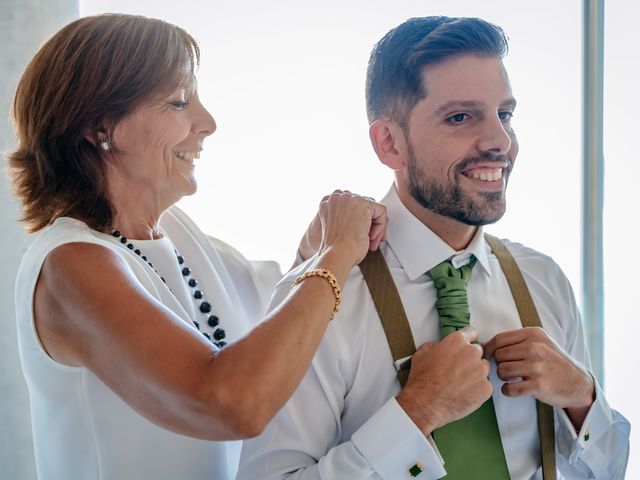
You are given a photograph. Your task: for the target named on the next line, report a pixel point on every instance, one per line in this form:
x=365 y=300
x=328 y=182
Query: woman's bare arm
x=91 y=311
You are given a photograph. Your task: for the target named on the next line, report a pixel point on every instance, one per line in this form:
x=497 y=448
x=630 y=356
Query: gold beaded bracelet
x=331 y=278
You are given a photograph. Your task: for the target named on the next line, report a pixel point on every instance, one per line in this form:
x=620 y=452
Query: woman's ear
x=99 y=138
x=388 y=141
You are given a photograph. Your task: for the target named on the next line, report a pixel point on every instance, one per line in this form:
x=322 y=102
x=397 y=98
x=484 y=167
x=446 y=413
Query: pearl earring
x=105 y=144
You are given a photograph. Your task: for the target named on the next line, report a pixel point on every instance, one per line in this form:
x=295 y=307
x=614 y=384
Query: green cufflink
x=416 y=470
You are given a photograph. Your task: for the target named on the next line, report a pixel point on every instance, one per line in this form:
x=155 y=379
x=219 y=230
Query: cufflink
x=416 y=469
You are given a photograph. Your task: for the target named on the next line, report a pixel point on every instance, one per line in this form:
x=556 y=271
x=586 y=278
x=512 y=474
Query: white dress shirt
x=343 y=422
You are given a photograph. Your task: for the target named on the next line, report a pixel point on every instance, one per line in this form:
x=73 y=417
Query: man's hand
x=447 y=381
x=532 y=364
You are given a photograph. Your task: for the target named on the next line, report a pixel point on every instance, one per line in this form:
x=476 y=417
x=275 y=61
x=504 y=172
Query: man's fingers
x=518 y=389
x=511 y=353
x=487 y=367
x=469 y=333
x=506 y=339
x=509 y=370
x=405 y=363
x=489 y=348
x=428 y=345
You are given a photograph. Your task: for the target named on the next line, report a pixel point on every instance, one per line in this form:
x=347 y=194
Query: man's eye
x=457 y=118
x=505 y=115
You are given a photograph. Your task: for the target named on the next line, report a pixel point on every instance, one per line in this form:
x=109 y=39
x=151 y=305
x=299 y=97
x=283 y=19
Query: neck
x=456 y=234
x=135 y=227
x=136 y=210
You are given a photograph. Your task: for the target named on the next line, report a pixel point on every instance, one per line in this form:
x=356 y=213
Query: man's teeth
x=487 y=176
x=187 y=155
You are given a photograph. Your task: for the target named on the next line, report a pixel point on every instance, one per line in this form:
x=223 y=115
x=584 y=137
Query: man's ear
x=388 y=141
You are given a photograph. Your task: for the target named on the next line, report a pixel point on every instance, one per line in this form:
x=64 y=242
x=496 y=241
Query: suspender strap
x=524 y=303
x=529 y=318
x=390 y=310
x=396 y=327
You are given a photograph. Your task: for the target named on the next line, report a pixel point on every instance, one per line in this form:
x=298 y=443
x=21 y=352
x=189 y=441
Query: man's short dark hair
x=394 y=75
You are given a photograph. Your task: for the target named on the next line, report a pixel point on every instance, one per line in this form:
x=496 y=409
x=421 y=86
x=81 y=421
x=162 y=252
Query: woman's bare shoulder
x=79 y=286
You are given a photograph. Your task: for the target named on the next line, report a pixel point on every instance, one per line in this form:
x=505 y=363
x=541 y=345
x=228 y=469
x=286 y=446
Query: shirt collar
x=418 y=248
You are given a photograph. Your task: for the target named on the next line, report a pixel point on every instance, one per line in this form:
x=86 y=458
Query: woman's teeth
x=189 y=156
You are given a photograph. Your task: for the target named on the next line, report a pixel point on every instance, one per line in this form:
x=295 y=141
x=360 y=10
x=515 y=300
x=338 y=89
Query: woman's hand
x=346 y=221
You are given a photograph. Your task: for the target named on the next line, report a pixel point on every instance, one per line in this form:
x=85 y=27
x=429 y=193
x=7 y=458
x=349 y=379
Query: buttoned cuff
x=396 y=448
x=575 y=445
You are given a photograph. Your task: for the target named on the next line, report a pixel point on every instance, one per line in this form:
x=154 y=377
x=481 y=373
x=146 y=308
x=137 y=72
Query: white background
x=285 y=82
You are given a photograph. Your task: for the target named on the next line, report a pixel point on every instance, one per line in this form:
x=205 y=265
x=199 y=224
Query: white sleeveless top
x=81 y=429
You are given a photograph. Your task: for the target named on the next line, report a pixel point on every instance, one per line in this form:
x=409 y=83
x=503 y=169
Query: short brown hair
x=394 y=74
x=89 y=75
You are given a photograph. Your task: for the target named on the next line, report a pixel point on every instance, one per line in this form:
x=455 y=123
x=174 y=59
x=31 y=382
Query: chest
x=491 y=305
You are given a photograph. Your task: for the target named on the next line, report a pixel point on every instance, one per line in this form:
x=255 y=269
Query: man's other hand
x=531 y=363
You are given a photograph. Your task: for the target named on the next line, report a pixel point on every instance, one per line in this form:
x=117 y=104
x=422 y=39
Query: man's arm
x=344 y=422
x=602 y=442
x=325 y=431
x=304 y=442
x=592 y=439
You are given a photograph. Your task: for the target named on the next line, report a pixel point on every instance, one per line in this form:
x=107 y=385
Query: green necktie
x=471 y=447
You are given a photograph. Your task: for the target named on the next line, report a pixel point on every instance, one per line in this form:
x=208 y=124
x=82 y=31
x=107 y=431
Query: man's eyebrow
x=471 y=105
x=458 y=104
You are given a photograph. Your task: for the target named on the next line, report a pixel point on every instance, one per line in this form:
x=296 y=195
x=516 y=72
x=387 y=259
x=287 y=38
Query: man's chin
x=480 y=222
x=470 y=208
x=484 y=219
x=485 y=212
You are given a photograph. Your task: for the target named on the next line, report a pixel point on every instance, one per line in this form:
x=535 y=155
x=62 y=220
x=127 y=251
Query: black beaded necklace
x=203 y=306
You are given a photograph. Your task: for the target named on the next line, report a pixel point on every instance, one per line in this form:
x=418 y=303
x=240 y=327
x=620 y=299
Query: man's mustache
x=485 y=157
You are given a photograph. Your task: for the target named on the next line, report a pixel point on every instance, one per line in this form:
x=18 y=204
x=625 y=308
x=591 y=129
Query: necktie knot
x=452 y=303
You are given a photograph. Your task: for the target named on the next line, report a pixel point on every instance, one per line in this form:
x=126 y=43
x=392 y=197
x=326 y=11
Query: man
x=439 y=104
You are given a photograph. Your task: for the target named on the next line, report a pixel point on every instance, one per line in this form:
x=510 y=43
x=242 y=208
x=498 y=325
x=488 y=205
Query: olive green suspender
x=396 y=327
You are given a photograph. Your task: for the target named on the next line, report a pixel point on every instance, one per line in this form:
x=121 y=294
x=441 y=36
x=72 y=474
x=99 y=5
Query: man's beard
x=449 y=200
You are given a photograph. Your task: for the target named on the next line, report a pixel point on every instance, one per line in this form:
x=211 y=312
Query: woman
x=112 y=292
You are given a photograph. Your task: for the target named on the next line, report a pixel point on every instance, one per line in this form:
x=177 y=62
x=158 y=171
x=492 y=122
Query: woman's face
x=155 y=145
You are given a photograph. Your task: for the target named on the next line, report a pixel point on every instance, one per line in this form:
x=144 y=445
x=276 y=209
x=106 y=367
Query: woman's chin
x=191 y=185
x=187 y=188
x=191 y=189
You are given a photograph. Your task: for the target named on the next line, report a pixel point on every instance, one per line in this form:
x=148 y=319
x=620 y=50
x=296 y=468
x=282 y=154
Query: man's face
x=460 y=144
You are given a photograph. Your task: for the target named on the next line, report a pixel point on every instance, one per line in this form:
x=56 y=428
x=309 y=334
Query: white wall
x=24 y=24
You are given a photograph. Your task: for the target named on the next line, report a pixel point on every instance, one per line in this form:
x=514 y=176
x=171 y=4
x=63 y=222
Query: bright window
x=621 y=201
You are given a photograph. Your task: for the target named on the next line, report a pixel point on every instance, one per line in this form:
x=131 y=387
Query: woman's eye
x=179 y=104
x=457 y=118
